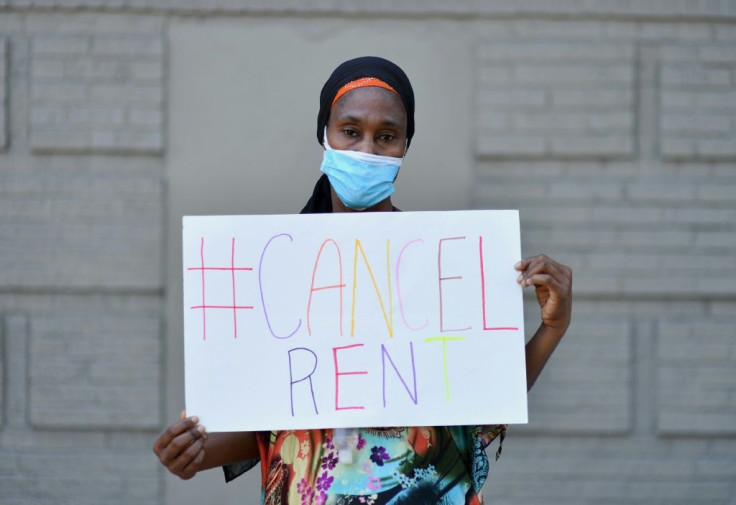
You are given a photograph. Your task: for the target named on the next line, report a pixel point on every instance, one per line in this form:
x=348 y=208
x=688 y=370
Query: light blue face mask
x=361 y=180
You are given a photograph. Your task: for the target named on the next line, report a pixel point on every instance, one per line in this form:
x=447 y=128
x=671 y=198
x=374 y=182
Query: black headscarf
x=351 y=70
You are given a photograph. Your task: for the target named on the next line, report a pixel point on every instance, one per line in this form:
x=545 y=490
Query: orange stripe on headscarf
x=363 y=82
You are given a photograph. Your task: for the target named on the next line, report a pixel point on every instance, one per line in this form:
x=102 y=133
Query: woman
x=365 y=124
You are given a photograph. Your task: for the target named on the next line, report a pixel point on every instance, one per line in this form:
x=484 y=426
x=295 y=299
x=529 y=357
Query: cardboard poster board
x=360 y=319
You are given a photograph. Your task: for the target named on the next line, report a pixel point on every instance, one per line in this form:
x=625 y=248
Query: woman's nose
x=366 y=145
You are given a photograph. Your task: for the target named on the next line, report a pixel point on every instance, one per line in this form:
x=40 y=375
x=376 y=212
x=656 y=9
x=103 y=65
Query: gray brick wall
x=609 y=124
x=81 y=228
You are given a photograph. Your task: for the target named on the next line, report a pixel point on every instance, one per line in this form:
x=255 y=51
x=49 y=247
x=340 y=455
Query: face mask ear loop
x=326 y=145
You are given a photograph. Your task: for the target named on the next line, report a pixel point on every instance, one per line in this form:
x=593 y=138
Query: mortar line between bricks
x=469 y=15
x=16 y=333
x=71 y=291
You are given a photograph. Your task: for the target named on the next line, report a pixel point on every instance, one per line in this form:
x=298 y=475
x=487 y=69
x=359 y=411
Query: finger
x=531 y=262
x=193 y=467
x=171 y=433
x=544 y=280
x=181 y=443
x=544 y=264
x=186 y=457
x=544 y=269
x=522 y=264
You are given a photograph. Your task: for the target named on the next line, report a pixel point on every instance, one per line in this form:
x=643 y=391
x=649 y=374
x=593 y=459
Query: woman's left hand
x=553 y=284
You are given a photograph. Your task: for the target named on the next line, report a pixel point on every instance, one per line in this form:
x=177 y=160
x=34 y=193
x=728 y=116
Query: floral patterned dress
x=373 y=466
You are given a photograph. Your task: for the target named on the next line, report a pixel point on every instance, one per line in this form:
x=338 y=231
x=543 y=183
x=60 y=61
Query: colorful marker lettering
x=338 y=373
x=384 y=355
x=260 y=287
x=306 y=377
x=340 y=284
x=398 y=287
x=388 y=317
x=443 y=279
x=444 y=340
x=483 y=292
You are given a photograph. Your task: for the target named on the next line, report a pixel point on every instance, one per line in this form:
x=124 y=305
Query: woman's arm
x=552 y=282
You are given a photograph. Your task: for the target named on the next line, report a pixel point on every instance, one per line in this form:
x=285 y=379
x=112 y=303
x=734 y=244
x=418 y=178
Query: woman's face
x=370 y=120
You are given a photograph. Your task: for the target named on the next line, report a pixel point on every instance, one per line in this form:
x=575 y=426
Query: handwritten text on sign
x=344 y=320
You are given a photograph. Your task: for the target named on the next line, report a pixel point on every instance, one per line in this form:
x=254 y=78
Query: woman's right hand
x=180 y=448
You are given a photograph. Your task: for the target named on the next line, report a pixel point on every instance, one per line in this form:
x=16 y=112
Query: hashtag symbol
x=234 y=307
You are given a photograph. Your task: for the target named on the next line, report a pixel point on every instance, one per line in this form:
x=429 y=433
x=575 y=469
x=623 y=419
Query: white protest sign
x=348 y=320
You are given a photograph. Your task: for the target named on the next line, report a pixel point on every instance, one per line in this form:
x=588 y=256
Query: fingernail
x=202 y=430
x=518 y=264
x=519 y=279
x=194 y=419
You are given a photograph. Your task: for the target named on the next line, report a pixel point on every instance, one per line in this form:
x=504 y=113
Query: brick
x=48 y=114
x=536 y=122
x=574 y=74
x=717 y=148
x=498 y=99
x=619 y=122
x=718 y=193
x=60 y=46
x=146 y=72
x=106 y=373
x=678 y=149
x=696 y=125
x=511 y=146
x=90 y=71
x=97 y=116
x=592 y=98
x=673 y=100
x=717 y=54
x=53 y=69
x=656 y=240
x=720 y=102
x=713 y=78
x=696 y=32
x=550 y=51
x=725 y=32
x=66 y=93
x=605 y=147
x=592 y=190
x=128 y=46
x=716 y=239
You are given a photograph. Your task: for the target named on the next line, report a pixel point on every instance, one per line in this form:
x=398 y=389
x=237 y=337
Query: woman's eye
x=350 y=133
x=387 y=137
